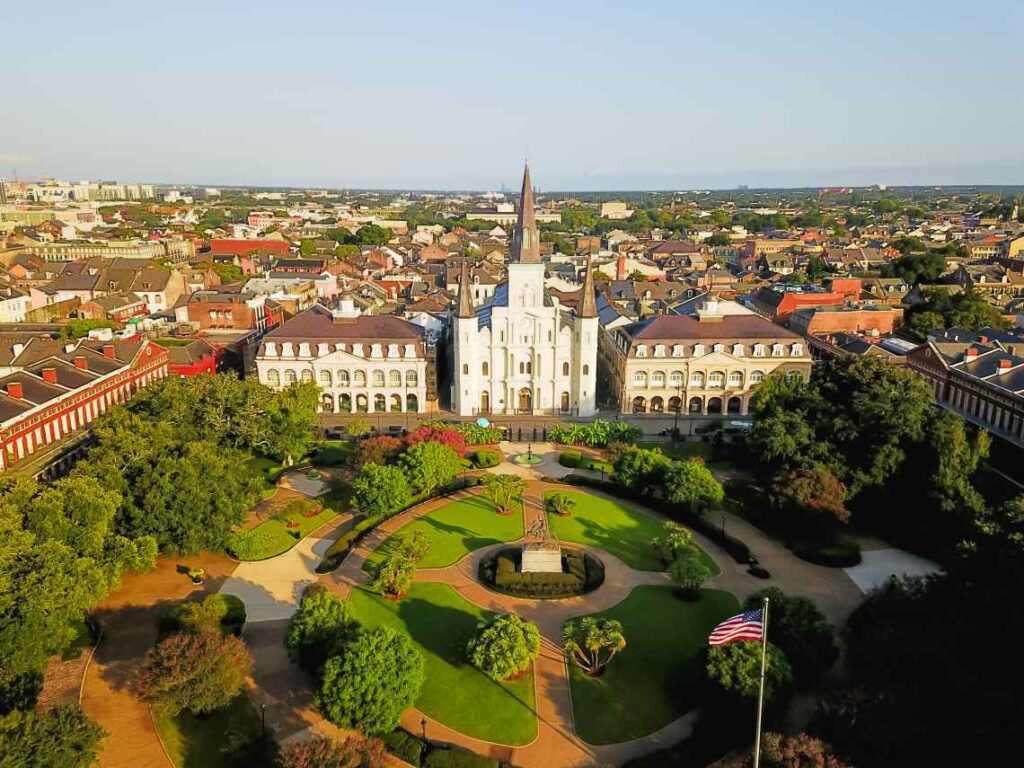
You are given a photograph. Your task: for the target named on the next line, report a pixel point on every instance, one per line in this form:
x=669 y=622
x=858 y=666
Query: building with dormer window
x=721 y=352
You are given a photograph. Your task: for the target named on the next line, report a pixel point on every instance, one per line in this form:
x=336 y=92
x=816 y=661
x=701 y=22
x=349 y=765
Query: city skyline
x=453 y=97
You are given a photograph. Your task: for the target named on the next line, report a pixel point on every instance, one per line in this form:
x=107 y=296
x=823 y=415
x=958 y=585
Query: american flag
x=748 y=625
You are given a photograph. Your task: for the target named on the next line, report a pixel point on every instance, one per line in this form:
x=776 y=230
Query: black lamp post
x=423 y=725
x=679 y=407
x=263 y=721
x=723 y=523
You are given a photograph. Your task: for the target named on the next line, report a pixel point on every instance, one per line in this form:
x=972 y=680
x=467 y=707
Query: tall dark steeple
x=525 y=240
x=465 y=299
x=588 y=304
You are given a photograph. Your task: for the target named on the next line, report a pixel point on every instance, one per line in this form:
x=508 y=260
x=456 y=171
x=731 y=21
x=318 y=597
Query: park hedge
x=843 y=553
x=420 y=753
x=583 y=573
x=570 y=458
x=485 y=458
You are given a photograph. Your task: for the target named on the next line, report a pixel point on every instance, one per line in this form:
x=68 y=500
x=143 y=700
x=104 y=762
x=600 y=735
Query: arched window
x=307 y=375
x=716 y=380
x=395 y=379
x=794 y=376
x=657 y=380
x=465 y=369
x=379 y=403
x=565 y=402
x=696 y=379
x=735 y=379
x=756 y=377
x=586 y=370
x=361 y=403
x=675 y=379
x=411 y=403
x=360 y=378
x=343 y=378
x=396 y=403
x=325 y=377
x=274 y=378
x=378 y=378
x=289 y=377
x=345 y=403
x=640 y=379
x=485 y=369
x=412 y=378
x=565 y=369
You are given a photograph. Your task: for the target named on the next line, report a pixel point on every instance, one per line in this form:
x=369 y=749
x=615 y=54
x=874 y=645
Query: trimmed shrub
x=842 y=553
x=582 y=574
x=485 y=458
x=570 y=458
x=218 y=609
x=458 y=758
x=404 y=746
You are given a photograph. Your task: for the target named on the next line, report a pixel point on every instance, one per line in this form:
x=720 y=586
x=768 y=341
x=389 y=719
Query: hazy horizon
x=658 y=96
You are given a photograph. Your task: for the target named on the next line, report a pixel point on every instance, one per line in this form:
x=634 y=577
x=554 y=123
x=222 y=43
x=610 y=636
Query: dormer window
x=759 y=350
x=698 y=350
x=677 y=350
x=737 y=350
x=641 y=351
x=659 y=350
x=719 y=348
x=797 y=350
x=776 y=350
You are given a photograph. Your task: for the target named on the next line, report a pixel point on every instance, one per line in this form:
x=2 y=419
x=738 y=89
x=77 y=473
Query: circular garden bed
x=581 y=573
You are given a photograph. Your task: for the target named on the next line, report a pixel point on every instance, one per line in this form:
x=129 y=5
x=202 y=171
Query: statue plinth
x=542 y=557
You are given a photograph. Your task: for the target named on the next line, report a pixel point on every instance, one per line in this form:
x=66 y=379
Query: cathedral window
x=465 y=369
x=565 y=369
x=586 y=372
x=484 y=368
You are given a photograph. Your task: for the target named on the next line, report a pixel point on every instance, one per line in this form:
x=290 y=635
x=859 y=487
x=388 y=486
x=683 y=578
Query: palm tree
x=592 y=643
x=503 y=489
x=561 y=504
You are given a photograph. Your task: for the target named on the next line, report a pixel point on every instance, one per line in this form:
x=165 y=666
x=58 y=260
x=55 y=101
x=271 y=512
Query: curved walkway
x=556 y=742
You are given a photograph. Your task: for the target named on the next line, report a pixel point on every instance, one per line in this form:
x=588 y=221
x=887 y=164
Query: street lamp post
x=263 y=721
x=679 y=407
x=423 y=725
x=723 y=523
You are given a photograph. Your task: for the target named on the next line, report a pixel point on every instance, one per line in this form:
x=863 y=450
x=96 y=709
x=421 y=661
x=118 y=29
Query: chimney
x=970 y=353
x=81 y=363
x=50 y=375
x=620 y=267
x=108 y=350
x=1005 y=364
x=14 y=389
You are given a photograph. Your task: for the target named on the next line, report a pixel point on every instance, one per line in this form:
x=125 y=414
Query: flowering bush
x=439 y=433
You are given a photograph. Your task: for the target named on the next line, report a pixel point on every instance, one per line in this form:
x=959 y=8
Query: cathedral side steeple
x=465 y=298
x=525 y=239
x=588 y=304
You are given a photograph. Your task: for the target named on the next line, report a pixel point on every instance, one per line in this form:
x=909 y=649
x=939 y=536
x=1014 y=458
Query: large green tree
x=691 y=484
x=429 y=465
x=375 y=677
x=800 y=631
x=319 y=628
x=200 y=673
x=61 y=738
x=736 y=668
x=380 y=490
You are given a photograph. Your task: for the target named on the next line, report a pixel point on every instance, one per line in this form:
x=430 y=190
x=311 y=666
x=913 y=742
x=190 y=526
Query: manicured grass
x=455 y=530
x=621 y=530
x=194 y=742
x=268 y=471
x=659 y=675
x=273 y=536
x=440 y=624
x=681 y=450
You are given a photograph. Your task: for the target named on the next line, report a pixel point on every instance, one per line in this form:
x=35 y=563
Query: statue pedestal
x=542 y=557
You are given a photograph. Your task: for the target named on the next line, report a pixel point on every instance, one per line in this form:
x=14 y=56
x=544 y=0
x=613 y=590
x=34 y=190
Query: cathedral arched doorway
x=485 y=402
x=525 y=400
x=565 y=402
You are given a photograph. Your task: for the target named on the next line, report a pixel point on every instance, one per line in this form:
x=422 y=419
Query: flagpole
x=760 y=694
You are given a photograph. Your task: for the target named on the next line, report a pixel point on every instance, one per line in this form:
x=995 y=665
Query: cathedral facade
x=522 y=351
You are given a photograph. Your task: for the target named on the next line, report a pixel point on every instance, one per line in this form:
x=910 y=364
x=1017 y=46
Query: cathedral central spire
x=525 y=240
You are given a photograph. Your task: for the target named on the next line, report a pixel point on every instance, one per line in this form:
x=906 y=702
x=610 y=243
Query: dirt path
x=129 y=619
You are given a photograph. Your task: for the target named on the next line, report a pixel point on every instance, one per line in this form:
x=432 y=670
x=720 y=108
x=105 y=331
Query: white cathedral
x=522 y=351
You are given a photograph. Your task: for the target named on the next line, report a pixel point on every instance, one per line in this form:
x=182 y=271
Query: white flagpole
x=760 y=694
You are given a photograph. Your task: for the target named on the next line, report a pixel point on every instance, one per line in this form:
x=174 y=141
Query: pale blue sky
x=449 y=94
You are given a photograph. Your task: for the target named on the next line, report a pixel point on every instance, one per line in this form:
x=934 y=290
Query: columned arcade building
x=704 y=364
x=362 y=363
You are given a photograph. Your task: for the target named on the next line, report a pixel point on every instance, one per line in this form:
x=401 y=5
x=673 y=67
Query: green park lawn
x=268 y=470
x=195 y=742
x=612 y=526
x=273 y=537
x=440 y=623
x=659 y=675
x=455 y=530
